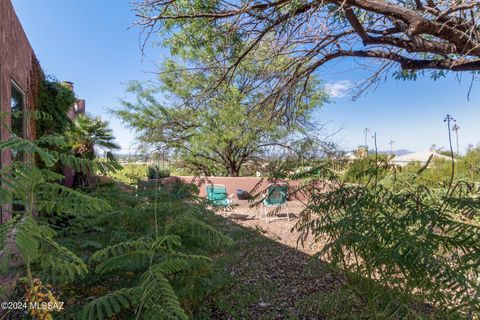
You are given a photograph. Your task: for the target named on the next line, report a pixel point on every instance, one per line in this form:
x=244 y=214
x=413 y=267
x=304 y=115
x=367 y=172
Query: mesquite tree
x=218 y=138
x=439 y=35
x=219 y=132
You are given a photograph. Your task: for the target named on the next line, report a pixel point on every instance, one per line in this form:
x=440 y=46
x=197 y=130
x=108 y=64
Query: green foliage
x=364 y=169
x=110 y=304
x=35 y=244
x=151 y=240
x=29 y=189
x=216 y=132
x=130 y=173
x=438 y=172
x=55 y=100
x=154 y=292
x=155 y=172
x=91 y=132
x=402 y=235
x=406 y=75
x=87 y=135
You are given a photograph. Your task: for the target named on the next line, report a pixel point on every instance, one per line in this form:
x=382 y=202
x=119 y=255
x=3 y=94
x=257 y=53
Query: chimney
x=80 y=106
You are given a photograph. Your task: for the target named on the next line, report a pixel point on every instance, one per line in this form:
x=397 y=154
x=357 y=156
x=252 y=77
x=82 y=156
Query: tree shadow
x=267 y=279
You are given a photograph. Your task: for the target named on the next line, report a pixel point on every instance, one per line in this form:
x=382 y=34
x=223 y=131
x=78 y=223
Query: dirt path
x=279 y=230
x=272 y=278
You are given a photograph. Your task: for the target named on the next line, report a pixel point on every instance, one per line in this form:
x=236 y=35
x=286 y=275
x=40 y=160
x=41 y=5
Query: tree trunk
x=233 y=172
x=234 y=169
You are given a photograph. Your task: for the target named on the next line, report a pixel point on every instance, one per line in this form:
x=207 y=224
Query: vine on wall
x=34 y=84
x=49 y=96
x=56 y=100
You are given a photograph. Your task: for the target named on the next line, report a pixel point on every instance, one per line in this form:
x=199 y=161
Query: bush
x=28 y=241
x=155 y=172
x=154 y=263
x=130 y=173
x=405 y=236
x=151 y=262
x=360 y=170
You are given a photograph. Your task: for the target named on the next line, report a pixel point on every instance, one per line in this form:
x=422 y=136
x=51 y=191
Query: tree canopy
x=219 y=135
x=435 y=35
x=218 y=131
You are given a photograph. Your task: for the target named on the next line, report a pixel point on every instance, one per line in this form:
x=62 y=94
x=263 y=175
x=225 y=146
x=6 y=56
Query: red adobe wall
x=17 y=63
x=253 y=185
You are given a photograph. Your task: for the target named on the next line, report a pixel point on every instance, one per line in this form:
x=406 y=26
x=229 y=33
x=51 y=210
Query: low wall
x=253 y=185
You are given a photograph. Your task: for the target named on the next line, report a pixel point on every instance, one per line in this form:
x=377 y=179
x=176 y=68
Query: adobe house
x=20 y=79
x=20 y=76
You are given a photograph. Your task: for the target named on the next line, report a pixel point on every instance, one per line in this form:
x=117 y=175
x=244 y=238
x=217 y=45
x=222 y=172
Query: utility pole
x=455 y=129
x=391 y=146
x=449 y=120
x=365 y=132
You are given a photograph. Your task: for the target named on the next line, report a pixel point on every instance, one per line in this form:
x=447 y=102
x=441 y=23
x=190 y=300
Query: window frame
x=14 y=85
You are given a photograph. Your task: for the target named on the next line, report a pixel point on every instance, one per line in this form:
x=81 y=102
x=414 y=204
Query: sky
x=90 y=43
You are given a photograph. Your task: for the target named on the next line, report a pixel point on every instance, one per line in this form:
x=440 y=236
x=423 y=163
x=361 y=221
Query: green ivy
x=56 y=100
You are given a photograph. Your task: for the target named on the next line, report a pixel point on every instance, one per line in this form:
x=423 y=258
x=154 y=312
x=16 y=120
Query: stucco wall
x=17 y=63
x=252 y=185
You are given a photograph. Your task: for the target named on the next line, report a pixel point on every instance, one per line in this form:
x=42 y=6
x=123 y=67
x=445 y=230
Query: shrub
x=146 y=256
x=129 y=173
x=155 y=172
x=165 y=276
x=360 y=170
x=409 y=237
x=36 y=190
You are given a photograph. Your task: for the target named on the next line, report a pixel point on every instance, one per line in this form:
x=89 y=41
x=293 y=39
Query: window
x=17 y=105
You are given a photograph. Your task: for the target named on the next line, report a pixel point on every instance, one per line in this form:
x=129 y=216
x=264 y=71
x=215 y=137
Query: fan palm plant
x=90 y=133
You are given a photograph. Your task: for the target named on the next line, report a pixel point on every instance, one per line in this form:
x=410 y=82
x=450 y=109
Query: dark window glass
x=17 y=104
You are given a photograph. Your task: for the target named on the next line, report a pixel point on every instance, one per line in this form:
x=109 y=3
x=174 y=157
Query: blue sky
x=89 y=42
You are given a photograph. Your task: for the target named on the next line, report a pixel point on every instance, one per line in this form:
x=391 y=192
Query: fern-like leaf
x=156 y=290
x=110 y=304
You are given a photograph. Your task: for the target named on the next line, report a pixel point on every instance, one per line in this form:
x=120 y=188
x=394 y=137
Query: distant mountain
x=399 y=152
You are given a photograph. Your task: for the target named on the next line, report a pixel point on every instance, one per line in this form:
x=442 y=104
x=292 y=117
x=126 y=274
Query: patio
x=279 y=230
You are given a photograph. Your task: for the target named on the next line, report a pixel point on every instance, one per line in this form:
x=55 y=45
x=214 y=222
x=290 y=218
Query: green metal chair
x=217 y=196
x=275 y=197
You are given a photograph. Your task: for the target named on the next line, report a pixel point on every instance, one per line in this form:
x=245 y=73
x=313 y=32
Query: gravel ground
x=273 y=276
x=279 y=230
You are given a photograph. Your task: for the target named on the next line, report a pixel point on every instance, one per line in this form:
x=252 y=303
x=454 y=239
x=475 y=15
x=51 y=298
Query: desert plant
x=31 y=190
x=88 y=133
x=360 y=170
x=166 y=277
x=155 y=172
x=152 y=239
x=130 y=173
x=407 y=236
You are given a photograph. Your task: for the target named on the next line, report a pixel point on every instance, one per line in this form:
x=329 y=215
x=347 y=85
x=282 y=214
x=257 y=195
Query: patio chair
x=217 y=196
x=275 y=198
